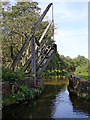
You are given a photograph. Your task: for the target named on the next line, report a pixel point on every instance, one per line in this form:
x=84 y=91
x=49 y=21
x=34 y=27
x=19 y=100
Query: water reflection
x=64 y=107
x=40 y=108
x=56 y=81
x=55 y=102
x=81 y=105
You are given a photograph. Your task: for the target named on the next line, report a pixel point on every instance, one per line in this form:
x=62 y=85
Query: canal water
x=55 y=102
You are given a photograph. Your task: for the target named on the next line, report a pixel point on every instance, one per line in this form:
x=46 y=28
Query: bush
x=82 y=71
x=24 y=94
x=9 y=75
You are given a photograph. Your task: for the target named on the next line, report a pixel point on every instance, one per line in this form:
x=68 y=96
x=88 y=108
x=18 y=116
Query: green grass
x=86 y=77
x=83 y=72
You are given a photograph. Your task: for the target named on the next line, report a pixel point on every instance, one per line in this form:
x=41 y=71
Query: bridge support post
x=33 y=62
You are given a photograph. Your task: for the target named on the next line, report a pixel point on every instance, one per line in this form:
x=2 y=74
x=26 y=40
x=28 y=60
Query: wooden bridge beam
x=33 y=61
x=45 y=31
x=30 y=37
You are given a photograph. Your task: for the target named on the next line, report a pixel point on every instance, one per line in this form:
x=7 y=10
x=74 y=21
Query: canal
x=55 y=102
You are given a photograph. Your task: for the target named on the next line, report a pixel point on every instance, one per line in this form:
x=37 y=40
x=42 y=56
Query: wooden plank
x=28 y=61
x=45 y=31
x=11 y=52
x=42 y=53
x=33 y=62
x=37 y=63
x=44 y=34
x=40 y=70
x=45 y=61
x=39 y=57
x=29 y=37
x=42 y=16
x=46 y=44
x=30 y=58
x=48 y=54
x=41 y=45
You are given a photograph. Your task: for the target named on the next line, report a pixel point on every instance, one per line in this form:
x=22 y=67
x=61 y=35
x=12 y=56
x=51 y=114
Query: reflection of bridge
x=41 y=52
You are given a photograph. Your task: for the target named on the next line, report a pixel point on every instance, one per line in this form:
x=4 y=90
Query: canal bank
x=54 y=102
x=17 y=92
x=79 y=87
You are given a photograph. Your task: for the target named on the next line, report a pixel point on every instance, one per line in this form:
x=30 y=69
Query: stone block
x=78 y=86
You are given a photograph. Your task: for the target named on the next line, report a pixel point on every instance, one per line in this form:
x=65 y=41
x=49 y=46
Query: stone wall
x=79 y=87
x=8 y=88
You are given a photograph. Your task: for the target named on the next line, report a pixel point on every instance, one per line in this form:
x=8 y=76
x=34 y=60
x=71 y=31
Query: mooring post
x=33 y=62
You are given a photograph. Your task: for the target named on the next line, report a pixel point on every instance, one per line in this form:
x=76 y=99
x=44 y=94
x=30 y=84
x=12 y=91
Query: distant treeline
x=66 y=65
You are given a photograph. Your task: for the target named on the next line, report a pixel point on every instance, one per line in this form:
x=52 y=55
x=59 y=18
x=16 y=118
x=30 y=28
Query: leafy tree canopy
x=17 y=23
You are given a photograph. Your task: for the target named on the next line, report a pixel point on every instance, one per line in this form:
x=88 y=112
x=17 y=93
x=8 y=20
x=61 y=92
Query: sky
x=71 y=21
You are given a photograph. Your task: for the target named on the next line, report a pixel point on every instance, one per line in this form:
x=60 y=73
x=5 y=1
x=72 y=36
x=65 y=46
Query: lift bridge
x=41 y=53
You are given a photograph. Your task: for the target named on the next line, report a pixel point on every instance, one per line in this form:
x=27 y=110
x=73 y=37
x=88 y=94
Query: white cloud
x=72 y=39
x=65 y=11
x=69 y=13
x=72 y=42
x=48 y=1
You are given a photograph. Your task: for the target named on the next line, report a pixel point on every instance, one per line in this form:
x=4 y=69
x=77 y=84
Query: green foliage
x=9 y=75
x=55 y=72
x=60 y=62
x=83 y=71
x=83 y=96
x=82 y=67
x=54 y=63
x=23 y=94
x=80 y=60
x=17 y=23
x=61 y=65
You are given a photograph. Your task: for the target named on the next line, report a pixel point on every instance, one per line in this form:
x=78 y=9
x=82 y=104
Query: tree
x=17 y=23
x=80 y=60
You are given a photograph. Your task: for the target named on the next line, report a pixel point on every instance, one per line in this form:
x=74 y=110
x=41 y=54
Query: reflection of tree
x=55 y=80
x=42 y=107
x=80 y=104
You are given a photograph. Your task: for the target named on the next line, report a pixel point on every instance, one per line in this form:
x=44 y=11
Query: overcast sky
x=71 y=20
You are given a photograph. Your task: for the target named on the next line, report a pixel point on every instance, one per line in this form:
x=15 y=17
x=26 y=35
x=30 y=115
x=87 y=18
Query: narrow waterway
x=55 y=102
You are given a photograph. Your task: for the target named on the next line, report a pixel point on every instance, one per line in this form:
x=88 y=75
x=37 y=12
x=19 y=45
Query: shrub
x=9 y=75
x=23 y=94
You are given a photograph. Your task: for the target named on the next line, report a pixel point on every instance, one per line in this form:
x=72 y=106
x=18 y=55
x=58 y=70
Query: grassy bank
x=86 y=77
x=83 y=72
